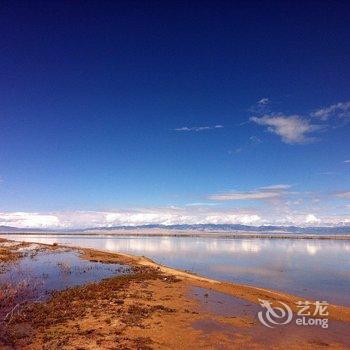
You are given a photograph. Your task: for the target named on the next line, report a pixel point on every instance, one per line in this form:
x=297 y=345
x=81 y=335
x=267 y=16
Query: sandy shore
x=157 y=307
x=249 y=293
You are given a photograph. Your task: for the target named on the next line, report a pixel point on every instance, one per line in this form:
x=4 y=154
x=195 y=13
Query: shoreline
x=190 y=234
x=246 y=292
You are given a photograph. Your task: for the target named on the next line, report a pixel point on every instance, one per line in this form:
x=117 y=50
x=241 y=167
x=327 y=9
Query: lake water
x=317 y=269
x=37 y=274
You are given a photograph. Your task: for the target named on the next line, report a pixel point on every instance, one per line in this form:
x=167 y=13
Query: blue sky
x=156 y=112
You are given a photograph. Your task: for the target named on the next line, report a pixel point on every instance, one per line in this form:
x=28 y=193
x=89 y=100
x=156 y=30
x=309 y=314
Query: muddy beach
x=73 y=298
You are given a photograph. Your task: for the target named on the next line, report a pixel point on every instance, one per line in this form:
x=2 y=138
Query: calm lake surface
x=311 y=268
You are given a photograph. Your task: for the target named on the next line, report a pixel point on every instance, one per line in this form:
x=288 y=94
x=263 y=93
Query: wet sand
x=156 y=307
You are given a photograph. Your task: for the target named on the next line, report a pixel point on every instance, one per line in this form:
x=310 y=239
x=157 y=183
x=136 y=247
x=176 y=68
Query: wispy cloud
x=347 y=161
x=329 y=173
x=263 y=193
x=342 y=194
x=298 y=129
x=234 y=196
x=263 y=101
x=279 y=187
x=338 y=110
x=292 y=129
x=252 y=142
x=201 y=204
x=261 y=106
x=236 y=150
x=199 y=128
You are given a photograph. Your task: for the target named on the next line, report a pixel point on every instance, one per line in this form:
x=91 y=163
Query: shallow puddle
x=223 y=304
x=37 y=274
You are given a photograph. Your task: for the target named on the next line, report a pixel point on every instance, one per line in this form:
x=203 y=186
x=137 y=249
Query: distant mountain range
x=199 y=227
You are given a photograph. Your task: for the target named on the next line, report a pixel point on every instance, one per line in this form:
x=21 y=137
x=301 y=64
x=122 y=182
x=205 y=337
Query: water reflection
x=317 y=269
x=312 y=248
x=163 y=245
x=36 y=275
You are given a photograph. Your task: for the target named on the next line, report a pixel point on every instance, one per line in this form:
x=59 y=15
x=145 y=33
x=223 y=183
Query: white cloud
x=297 y=129
x=199 y=128
x=276 y=187
x=338 y=110
x=234 y=196
x=271 y=215
x=347 y=161
x=146 y=216
x=22 y=219
x=311 y=219
x=171 y=216
x=200 y=204
x=343 y=195
x=292 y=129
x=278 y=205
x=263 y=101
x=263 y=193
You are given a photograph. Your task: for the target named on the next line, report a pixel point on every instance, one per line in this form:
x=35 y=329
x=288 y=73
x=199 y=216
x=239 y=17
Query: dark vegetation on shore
x=106 y=299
